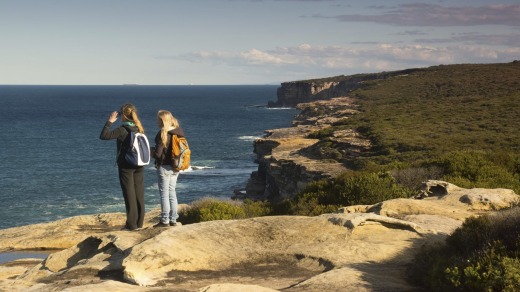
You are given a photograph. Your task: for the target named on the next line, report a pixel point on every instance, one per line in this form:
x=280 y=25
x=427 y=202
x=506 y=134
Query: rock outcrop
x=360 y=248
x=290 y=94
x=288 y=159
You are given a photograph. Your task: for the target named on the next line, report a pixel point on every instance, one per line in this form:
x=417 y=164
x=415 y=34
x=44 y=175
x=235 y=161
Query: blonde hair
x=129 y=112
x=167 y=121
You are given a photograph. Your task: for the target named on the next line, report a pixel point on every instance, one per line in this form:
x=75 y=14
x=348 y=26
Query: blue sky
x=245 y=41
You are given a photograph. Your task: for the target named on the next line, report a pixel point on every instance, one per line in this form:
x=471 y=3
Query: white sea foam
x=280 y=108
x=195 y=167
x=153 y=187
x=249 y=138
x=256 y=105
x=222 y=171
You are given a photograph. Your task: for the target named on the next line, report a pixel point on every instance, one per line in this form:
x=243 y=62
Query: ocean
x=55 y=166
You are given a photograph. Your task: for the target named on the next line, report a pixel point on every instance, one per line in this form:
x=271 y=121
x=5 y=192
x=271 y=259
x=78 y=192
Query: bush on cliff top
x=350 y=188
x=209 y=209
x=482 y=255
x=486 y=169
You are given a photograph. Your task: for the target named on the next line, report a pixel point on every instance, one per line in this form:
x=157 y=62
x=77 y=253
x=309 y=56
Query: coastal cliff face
x=288 y=159
x=290 y=94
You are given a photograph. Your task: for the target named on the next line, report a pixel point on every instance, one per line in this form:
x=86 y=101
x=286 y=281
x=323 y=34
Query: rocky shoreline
x=288 y=159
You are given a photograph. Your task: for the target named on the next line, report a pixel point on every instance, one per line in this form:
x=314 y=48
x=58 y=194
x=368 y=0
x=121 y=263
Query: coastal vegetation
x=458 y=123
x=482 y=255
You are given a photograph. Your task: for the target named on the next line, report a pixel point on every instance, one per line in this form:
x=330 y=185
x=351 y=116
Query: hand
x=113 y=117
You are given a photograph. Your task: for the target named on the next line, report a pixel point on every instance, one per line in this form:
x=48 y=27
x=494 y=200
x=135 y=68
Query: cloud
x=412 y=33
x=307 y=58
x=436 y=15
x=257 y=57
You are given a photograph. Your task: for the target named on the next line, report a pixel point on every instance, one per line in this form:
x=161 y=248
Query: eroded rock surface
x=288 y=159
x=360 y=248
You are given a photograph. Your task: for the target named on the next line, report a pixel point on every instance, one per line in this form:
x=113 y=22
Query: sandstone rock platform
x=360 y=248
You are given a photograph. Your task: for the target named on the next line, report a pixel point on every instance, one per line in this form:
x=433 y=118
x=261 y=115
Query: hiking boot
x=126 y=228
x=160 y=224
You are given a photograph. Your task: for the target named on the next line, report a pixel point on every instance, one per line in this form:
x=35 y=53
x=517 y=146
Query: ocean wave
x=190 y=169
x=249 y=138
x=222 y=171
x=195 y=167
x=280 y=108
x=256 y=106
x=153 y=187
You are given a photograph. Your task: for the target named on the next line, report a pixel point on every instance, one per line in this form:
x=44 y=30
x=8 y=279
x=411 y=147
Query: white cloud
x=257 y=57
x=307 y=61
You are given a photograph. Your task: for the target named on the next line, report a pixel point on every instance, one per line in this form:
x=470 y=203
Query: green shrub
x=490 y=270
x=321 y=134
x=482 y=255
x=208 y=209
x=256 y=208
x=412 y=177
x=350 y=188
x=309 y=204
x=470 y=169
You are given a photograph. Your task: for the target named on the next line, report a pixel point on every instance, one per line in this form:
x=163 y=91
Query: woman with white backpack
x=131 y=177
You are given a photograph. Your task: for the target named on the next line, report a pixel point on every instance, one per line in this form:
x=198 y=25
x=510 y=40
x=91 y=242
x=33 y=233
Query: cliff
x=289 y=94
x=288 y=159
x=359 y=248
x=398 y=122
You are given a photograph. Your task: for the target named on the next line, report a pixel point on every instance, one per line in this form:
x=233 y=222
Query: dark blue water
x=55 y=166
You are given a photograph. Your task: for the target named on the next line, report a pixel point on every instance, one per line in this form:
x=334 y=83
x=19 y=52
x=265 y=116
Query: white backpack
x=138 y=150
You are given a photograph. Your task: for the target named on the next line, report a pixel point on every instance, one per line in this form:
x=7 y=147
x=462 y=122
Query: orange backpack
x=181 y=153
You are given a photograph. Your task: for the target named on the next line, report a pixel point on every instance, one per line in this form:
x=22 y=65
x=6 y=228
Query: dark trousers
x=132 y=185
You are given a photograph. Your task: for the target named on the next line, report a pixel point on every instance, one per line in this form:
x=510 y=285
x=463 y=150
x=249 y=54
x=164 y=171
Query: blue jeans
x=167 y=182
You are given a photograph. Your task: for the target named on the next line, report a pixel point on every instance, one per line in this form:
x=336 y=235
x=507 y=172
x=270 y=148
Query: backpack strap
x=124 y=145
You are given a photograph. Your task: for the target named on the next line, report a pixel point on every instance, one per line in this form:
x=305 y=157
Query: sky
x=231 y=42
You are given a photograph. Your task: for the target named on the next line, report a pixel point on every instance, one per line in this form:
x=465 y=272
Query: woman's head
x=166 y=121
x=129 y=113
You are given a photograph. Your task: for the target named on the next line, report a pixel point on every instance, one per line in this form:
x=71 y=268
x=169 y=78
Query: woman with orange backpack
x=167 y=175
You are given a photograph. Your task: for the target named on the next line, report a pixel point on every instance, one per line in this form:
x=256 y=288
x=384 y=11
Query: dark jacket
x=120 y=133
x=160 y=153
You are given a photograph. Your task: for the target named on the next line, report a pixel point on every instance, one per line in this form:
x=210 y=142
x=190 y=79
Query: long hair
x=129 y=112
x=166 y=122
